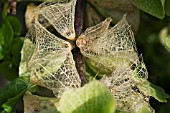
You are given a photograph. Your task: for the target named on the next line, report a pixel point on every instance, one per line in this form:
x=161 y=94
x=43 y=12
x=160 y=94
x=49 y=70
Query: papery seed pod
x=60 y=16
x=112 y=51
x=106 y=49
x=51 y=64
x=127 y=88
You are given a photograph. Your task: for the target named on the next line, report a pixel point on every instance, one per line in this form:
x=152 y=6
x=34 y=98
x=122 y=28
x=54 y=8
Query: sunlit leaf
x=165 y=37
x=91 y=98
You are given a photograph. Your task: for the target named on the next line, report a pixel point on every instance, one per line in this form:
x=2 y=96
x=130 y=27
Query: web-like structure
x=109 y=46
x=59 y=13
x=115 y=49
x=125 y=86
x=49 y=60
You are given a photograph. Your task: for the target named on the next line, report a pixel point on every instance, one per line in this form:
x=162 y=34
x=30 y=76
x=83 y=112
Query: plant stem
x=80 y=65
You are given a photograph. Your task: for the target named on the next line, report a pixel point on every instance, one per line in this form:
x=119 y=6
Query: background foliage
x=152 y=37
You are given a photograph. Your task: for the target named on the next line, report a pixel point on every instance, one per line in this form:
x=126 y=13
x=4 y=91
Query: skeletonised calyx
x=106 y=49
x=50 y=62
x=61 y=16
x=112 y=51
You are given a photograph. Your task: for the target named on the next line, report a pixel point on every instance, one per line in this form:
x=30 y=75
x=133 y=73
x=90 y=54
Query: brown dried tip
x=82 y=41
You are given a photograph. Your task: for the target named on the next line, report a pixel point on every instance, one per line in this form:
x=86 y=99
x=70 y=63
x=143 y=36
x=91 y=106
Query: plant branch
x=80 y=65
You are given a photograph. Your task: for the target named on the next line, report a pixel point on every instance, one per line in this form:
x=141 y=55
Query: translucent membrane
x=114 y=49
x=51 y=62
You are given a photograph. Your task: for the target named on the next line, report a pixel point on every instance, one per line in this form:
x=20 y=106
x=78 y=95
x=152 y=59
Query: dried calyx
x=112 y=51
x=48 y=60
x=107 y=48
x=50 y=63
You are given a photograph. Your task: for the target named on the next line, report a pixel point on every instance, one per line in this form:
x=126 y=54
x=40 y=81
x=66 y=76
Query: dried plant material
x=112 y=51
x=37 y=104
x=26 y=54
x=29 y=15
x=126 y=87
x=107 y=49
x=60 y=16
x=51 y=65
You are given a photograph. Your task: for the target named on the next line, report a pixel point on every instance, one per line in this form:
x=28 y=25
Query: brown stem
x=79 y=28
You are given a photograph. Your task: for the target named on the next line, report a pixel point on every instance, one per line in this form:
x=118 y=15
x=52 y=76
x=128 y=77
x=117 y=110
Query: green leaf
x=10 y=104
x=155 y=91
x=2 y=52
x=15 y=24
x=91 y=98
x=165 y=37
x=8 y=70
x=6 y=35
x=16 y=50
x=12 y=93
x=167 y=6
x=153 y=7
x=145 y=110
